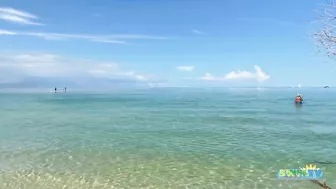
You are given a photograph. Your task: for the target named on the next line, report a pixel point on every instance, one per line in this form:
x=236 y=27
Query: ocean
x=165 y=138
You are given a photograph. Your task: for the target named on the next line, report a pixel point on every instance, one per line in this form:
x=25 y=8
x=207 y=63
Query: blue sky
x=166 y=43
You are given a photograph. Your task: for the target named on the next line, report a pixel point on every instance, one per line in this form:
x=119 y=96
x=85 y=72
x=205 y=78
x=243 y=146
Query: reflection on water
x=298 y=106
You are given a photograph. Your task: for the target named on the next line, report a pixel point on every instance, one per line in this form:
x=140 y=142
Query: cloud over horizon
x=12 y=15
x=259 y=75
x=16 y=67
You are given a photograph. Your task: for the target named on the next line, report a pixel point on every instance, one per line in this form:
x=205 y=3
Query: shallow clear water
x=165 y=138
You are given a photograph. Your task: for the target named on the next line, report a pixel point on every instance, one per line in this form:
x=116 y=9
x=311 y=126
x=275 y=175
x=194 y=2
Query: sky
x=189 y=43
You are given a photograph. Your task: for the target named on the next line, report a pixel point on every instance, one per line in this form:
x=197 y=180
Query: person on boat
x=298 y=99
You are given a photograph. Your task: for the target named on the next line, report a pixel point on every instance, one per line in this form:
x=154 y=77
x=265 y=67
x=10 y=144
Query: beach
x=165 y=138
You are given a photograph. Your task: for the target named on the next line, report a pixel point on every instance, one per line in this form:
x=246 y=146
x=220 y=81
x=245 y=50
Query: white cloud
x=139 y=77
x=197 y=32
x=17 y=16
x=209 y=77
x=21 y=17
x=16 y=66
x=118 y=39
x=5 y=32
x=239 y=75
x=106 y=41
x=259 y=75
x=185 y=68
x=12 y=11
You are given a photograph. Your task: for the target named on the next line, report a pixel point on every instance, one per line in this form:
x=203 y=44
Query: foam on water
x=167 y=138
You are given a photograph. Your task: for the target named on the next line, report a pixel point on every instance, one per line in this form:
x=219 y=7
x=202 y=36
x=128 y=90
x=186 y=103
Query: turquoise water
x=165 y=138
